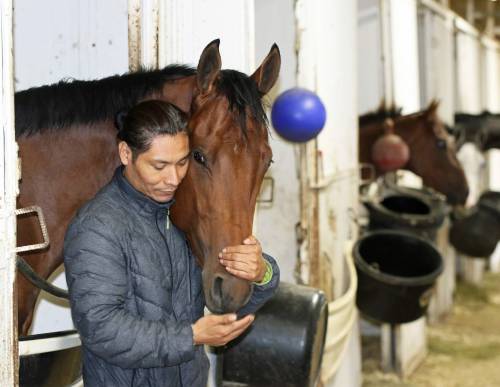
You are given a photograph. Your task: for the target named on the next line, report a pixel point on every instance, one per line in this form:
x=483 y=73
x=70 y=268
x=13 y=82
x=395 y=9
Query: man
x=135 y=289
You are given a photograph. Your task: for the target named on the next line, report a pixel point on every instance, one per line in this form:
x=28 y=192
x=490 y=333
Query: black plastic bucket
x=284 y=346
x=418 y=211
x=396 y=273
x=54 y=361
x=477 y=231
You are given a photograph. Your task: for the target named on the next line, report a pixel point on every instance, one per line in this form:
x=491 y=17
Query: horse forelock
x=244 y=99
x=75 y=102
x=379 y=115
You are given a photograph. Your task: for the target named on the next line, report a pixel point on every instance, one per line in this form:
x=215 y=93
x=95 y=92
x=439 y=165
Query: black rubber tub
x=285 y=344
x=50 y=360
x=396 y=273
x=418 y=211
x=476 y=232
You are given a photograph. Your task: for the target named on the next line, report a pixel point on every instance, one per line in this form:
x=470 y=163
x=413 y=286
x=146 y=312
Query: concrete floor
x=464 y=350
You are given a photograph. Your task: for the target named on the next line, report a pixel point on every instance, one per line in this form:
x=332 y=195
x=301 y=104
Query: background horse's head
x=433 y=154
x=215 y=203
x=432 y=149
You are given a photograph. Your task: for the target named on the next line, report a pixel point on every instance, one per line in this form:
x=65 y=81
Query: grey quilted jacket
x=135 y=290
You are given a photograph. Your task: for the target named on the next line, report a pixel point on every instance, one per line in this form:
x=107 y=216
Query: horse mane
x=242 y=92
x=71 y=102
x=379 y=115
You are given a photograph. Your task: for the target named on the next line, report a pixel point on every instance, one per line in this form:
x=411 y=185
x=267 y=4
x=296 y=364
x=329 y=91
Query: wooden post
x=143 y=29
x=441 y=302
x=9 y=360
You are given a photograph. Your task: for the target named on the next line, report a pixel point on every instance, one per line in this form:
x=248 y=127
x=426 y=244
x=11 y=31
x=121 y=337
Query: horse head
x=433 y=154
x=216 y=201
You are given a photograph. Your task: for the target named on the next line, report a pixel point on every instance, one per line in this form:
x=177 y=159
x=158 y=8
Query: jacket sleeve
x=261 y=294
x=96 y=273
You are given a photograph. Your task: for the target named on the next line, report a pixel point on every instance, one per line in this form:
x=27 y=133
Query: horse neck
x=61 y=170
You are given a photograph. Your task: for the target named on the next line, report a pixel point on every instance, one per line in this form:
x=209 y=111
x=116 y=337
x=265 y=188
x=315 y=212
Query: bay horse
x=68 y=147
x=432 y=152
x=482 y=129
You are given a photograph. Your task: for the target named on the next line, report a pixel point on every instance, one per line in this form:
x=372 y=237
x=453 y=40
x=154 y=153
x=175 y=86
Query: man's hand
x=245 y=261
x=217 y=330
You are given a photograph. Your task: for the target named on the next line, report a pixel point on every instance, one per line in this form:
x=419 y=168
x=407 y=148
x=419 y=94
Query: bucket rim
x=433 y=219
x=362 y=265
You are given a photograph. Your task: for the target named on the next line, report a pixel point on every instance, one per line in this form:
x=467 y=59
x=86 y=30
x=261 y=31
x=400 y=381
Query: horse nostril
x=217 y=290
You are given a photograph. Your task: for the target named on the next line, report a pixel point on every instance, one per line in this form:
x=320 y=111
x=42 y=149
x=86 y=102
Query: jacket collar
x=137 y=198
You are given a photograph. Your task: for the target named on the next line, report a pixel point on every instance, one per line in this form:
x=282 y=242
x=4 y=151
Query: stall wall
x=327 y=65
x=491 y=102
x=370 y=65
x=58 y=39
x=469 y=99
x=275 y=221
x=436 y=51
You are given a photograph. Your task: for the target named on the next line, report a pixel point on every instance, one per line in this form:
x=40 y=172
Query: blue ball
x=298 y=115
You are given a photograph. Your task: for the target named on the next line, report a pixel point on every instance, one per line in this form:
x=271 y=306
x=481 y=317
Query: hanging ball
x=298 y=115
x=390 y=152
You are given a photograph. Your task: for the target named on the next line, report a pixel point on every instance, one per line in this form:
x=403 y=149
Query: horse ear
x=267 y=74
x=431 y=110
x=208 y=67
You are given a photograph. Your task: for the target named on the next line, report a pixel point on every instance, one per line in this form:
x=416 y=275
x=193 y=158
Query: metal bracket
x=270 y=182
x=43 y=228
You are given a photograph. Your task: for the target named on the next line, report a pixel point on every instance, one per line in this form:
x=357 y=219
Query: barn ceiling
x=483 y=14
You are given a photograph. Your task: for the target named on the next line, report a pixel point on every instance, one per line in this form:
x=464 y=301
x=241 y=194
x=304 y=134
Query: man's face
x=158 y=172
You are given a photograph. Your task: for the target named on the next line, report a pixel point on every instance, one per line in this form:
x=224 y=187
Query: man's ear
x=125 y=153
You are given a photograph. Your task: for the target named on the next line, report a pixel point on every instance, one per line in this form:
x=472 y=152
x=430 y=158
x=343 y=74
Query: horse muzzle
x=225 y=293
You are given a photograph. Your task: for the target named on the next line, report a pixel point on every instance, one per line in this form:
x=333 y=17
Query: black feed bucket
x=284 y=346
x=477 y=231
x=50 y=360
x=418 y=211
x=396 y=273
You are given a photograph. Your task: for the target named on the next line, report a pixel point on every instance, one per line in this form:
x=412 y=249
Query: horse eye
x=199 y=157
x=270 y=162
x=441 y=144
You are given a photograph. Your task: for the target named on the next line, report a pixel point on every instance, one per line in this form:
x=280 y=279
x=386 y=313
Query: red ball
x=390 y=152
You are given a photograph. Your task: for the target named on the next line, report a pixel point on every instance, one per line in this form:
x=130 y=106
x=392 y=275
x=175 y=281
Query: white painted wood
x=275 y=222
x=371 y=80
x=9 y=362
x=468 y=77
x=411 y=346
x=50 y=344
x=490 y=75
x=436 y=52
x=441 y=303
x=469 y=99
x=472 y=269
x=327 y=65
x=192 y=24
x=404 y=46
x=495 y=260
x=57 y=39
x=143 y=29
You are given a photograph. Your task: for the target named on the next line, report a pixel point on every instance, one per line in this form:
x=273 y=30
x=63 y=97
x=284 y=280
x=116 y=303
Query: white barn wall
x=9 y=361
x=491 y=102
x=371 y=81
x=190 y=25
x=327 y=65
x=436 y=52
x=469 y=100
x=58 y=39
x=275 y=222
